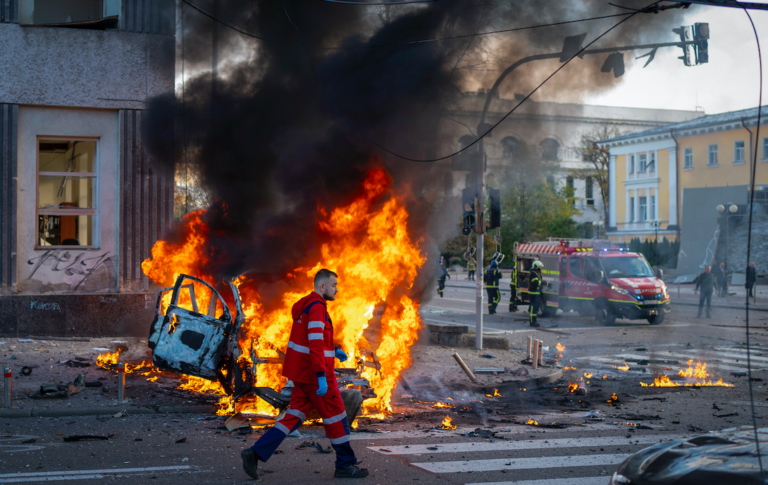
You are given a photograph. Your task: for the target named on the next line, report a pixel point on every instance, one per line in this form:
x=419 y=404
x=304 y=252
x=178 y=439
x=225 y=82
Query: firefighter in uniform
x=491 y=278
x=471 y=266
x=309 y=363
x=442 y=273
x=534 y=292
x=513 y=290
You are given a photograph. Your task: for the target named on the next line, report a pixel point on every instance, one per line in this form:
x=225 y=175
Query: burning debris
x=614 y=399
x=699 y=372
x=443 y=405
x=447 y=423
x=495 y=394
x=623 y=368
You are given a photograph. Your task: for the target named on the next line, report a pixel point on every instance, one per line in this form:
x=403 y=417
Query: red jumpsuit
x=311 y=355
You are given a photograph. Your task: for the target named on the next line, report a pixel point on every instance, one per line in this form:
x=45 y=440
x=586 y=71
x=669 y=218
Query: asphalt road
x=408 y=450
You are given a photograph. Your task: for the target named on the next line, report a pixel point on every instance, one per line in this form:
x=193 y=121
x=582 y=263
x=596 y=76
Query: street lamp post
x=732 y=209
x=655 y=225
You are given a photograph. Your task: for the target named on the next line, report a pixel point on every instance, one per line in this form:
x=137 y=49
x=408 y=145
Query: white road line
x=498 y=330
x=553 y=481
x=712 y=360
x=605 y=360
x=521 y=463
x=510 y=431
x=79 y=474
x=469 y=447
x=57 y=478
x=447 y=309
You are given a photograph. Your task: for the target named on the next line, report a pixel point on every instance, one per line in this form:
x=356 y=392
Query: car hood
x=725 y=457
x=650 y=285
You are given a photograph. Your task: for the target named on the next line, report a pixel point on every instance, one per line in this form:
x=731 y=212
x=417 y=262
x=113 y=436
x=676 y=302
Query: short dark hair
x=323 y=275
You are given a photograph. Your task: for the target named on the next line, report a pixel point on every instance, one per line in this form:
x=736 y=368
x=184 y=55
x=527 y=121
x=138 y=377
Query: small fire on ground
x=443 y=405
x=624 y=367
x=495 y=394
x=109 y=361
x=698 y=372
x=532 y=422
x=447 y=423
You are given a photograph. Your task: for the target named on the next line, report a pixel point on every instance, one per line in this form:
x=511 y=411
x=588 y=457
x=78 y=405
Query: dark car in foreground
x=722 y=458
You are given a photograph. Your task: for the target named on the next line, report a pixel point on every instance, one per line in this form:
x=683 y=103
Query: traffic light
x=468 y=209
x=686 y=36
x=614 y=62
x=701 y=36
x=495 y=196
x=571 y=46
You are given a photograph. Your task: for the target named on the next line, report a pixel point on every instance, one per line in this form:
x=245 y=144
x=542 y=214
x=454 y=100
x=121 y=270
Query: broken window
x=66 y=192
x=79 y=14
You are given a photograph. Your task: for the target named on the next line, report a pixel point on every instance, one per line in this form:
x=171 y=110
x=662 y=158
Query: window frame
x=94 y=211
x=687 y=152
x=642 y=208
x=709 y=155
x=653 y=207
x=632 y=164
x=651 y=167
x=765 y=149
x=736 y=150
x=632 y=209
x=642 y=163
x=589 y=190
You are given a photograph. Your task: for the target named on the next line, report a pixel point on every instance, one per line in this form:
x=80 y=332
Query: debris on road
x=86 y=437
x=236 y=422
x=54 y=391
x=465 y=368
x=447 y=423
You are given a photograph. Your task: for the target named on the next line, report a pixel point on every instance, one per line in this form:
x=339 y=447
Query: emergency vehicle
x=593 y=278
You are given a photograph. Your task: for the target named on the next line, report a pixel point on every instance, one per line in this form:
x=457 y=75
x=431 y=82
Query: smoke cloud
x=270 y=147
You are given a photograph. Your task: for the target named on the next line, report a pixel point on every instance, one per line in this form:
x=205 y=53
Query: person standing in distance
x=706 y=282
x=492 y=278
x=309 y=363
x=534 y=292
x=471 y=267
x=751 y=278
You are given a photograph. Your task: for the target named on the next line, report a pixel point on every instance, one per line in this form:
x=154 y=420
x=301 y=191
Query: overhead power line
x=236 y=29
x=516 y=29
x=366 y=4
x=729 y=3
x=483 y=135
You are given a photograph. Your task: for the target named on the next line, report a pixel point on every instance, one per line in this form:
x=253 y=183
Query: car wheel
x=605 y=316
x=656 y=319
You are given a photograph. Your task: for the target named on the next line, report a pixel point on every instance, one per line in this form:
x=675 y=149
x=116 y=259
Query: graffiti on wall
x=57 y=270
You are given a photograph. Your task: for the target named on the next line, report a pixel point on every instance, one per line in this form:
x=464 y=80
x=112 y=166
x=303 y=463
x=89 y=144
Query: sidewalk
x=735 y=299
x=150 y=393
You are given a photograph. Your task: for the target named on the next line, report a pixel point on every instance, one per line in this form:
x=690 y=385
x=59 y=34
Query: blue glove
x=323 y=386
x=341 y=355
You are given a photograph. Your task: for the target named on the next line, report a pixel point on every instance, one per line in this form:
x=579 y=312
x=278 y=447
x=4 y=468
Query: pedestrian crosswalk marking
x=469 y=447
x=521 y=463
x=554 y=481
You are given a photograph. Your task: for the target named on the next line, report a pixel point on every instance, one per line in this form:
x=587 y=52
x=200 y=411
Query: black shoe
x=351 y=472
x=250 y=463
x=535 y=325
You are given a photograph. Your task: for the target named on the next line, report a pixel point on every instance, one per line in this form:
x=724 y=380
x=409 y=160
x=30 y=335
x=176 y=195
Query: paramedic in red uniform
x=309 y=363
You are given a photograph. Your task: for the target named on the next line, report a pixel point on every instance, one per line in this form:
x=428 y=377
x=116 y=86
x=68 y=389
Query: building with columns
x=676 y=176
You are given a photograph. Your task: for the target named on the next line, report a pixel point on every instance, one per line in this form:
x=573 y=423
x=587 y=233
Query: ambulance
x=593 y=278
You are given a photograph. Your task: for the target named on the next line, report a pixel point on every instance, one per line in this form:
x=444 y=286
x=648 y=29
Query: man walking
x=513 y=290
x=751 y=278
x=471 y=266
x=706 y=283
x=442 y=273
x=491 y=278
x=534 y=292
x=309 y=363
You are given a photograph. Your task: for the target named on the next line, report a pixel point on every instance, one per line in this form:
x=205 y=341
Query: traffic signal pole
x=480 y=230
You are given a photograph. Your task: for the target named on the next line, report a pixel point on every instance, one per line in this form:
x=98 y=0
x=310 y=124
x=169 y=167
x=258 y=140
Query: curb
x=55 y=413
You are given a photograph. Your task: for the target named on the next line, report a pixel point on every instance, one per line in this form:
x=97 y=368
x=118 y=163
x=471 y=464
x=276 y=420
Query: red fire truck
x=593 y=278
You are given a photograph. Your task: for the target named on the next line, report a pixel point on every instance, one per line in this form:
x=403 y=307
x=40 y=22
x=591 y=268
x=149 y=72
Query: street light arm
x=729 y=3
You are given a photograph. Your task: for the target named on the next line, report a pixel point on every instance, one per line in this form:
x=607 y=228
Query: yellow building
x=651 y=173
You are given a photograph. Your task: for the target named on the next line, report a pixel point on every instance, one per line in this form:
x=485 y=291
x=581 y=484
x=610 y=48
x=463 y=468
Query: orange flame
x=495 y=394
x=587 y=375
x=700 y=372
x=665 y=381
x=572 y=387
x=624 y=367
x=442 y=405
x=532 y=422
x=368 y=244
x=613 y=398
x=569 y=368
x=559 y=347
x=447 y=423
x=108 y=359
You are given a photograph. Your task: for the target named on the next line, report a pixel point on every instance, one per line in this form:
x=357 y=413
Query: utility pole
x=571 y=47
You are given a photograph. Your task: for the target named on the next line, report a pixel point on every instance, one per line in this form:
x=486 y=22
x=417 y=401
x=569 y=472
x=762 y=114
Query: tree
x=597 y=160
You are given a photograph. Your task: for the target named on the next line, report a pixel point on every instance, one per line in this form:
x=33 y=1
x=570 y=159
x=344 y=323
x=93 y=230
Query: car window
x=592 y=269
x=574 y=266
x=563 y=265
x=627 y=267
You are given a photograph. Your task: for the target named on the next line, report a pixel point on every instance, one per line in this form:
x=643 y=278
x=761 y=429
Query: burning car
x=728 y=456
x=206 y=345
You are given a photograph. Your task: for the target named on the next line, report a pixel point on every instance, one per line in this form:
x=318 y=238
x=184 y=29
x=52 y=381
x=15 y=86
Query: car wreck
x=206 y=345
x=728 y=456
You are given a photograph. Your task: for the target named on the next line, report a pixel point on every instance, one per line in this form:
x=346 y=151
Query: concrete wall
x=68 y=270
x=698 y=240
x=84 y=68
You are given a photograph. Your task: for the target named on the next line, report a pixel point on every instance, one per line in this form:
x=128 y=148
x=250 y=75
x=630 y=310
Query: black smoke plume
x=271 y=148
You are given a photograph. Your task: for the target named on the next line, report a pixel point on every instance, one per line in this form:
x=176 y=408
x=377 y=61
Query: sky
x=730 y=81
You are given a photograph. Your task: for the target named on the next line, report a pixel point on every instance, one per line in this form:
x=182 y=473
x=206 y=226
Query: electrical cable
x=516 y=29
x=366 y=4
x=432 y=160
x=749 y=242
x=236 y=29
